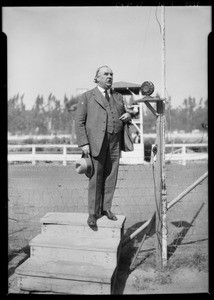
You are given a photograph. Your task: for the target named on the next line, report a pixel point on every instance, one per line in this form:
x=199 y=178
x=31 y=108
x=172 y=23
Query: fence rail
x=35 y=153
x=186 y=152
x=65 y=153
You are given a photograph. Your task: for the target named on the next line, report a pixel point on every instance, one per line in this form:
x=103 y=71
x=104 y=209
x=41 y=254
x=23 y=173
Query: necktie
x=107 y=96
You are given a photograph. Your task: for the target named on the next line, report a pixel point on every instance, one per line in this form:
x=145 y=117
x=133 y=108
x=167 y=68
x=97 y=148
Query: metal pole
x=173 y=202
x=163 y=170
x=160 y=173
x=163 y=52
x=160 y=190
x=141 y=128
x=136 y=232
x=187 y=190
x=138 y=250
x=158 y=193
x=163 y=197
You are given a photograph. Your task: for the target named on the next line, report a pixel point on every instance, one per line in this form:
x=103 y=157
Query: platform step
x=64 y=277
x=49 y=247
x=66 y=270
x=75 y=224
x=68 y=257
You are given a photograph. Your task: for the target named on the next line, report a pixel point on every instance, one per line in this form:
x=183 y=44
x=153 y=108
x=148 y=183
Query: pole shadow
x=129 y=250
x=127 y=253
x=181 y=235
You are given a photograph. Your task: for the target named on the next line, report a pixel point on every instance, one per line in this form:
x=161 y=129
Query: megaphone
x=147 y=88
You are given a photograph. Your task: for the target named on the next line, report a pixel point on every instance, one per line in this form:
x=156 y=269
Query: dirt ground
x=147 y=280
x=183 y=280
x=187 y=272
x=35 y=190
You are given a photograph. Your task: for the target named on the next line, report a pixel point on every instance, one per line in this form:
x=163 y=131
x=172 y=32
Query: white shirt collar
x=103 y=90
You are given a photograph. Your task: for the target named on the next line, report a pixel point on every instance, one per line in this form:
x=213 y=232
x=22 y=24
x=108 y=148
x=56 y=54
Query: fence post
x=64 y=155
x=33 y=155
x=183 y=155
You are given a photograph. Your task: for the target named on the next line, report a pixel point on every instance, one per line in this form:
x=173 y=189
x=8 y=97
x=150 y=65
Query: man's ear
x=96 y=79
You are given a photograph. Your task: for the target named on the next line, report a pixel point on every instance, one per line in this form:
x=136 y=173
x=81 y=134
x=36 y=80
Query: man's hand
x=125 y=117
x=86 y=150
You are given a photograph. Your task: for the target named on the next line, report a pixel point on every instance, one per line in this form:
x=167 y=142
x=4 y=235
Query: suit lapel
x=98 y=97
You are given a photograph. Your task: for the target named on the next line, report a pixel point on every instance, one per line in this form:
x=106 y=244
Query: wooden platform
x=80 y=219
x=65 y=276
x=75 y=224
x=68 y=257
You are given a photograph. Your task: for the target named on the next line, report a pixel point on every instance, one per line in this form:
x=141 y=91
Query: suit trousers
x=103 y=182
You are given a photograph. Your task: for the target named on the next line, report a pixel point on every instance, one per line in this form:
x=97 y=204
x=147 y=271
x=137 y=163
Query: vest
x=113 y=123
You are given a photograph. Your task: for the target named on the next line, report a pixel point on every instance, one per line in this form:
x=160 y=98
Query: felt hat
x=85 y=166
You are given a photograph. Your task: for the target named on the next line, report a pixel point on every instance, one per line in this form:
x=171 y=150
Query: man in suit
x=99 y=122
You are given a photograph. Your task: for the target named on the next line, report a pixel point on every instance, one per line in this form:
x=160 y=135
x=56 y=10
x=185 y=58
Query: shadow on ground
x=181 y=235
x=129 y=250
x=17 y=258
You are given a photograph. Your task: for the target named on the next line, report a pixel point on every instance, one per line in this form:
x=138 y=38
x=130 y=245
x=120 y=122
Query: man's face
x=105 y=78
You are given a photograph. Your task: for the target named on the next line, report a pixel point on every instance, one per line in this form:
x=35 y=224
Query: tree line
x=186 y=117
x=50 y=116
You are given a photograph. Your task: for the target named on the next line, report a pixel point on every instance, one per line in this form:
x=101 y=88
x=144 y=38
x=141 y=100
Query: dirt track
x=33 y=191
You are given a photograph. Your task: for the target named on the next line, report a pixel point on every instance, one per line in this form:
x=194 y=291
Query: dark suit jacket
x=91 y=118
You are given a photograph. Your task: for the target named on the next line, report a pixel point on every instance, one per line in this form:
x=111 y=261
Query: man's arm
x=80 y=124
x=126 y=117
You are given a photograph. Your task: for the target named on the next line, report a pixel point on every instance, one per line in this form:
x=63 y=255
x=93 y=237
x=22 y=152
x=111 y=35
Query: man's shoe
x=109 y=214
x=92 y=221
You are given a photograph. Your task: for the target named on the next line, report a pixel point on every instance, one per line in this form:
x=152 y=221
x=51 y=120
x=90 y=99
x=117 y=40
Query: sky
x=58 y=49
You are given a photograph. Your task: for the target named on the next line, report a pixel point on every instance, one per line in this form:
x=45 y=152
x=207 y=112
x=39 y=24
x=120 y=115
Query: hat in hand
x=85 y=166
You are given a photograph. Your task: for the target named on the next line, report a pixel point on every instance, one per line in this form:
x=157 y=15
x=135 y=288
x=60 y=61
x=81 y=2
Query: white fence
x=60 y=152
x=35 y=154
x=186 y=152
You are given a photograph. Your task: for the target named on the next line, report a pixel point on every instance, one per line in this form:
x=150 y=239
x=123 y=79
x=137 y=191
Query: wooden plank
x=89 y=244
x=13 y=287
x=80 y=219
x=83 y=231
x=61 y=286
x=66 y=270
x=84 y=256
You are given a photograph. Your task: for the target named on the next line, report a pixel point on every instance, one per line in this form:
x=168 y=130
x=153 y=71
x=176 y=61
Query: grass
x=145 y=275
x=197 y=260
